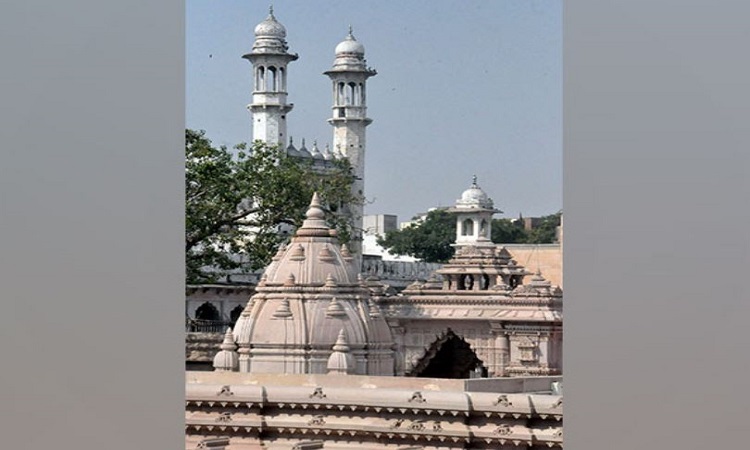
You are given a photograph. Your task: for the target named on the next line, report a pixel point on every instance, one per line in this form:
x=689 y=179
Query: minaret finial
x=270 y=10
x=474 y=180
x=351 y=31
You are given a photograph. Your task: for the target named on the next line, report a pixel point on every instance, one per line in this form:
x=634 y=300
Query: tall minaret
x=270 y=57
x=349 y=75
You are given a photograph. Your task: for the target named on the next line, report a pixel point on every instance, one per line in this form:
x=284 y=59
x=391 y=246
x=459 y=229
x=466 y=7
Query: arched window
x=207 y=311
x=469 y=282
x=361 y=93
x=467 y=228
x=282 y=79
x=483 y=228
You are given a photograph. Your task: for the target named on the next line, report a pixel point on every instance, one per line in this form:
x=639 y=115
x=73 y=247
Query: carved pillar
x=399 y=348
x=502 y=350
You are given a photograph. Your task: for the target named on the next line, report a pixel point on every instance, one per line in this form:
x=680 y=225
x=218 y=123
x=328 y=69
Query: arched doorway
x=449 y=357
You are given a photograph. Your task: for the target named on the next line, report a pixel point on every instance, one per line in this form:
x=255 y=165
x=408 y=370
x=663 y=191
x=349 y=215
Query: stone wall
x=359 y=412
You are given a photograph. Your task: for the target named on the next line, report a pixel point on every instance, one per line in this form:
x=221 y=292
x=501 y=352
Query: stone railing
x=206 y=326
x=398 y=270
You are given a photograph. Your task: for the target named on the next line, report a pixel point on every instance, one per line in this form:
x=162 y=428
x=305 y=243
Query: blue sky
x=463 y=88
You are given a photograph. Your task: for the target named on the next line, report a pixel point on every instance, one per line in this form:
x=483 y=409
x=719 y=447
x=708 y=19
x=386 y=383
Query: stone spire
x=341 y=362
x=227 y=359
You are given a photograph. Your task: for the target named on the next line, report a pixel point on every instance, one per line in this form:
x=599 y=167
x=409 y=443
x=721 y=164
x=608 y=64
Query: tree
x=546 y=231
x=430 y=240
x=236 y=202
x=504 y=231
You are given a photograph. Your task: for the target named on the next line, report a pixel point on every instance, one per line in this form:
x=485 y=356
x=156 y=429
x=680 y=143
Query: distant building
x=379 y=224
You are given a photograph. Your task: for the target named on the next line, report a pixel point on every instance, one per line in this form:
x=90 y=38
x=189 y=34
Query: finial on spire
x=351 y=32
x=342 y=344
x=270 y=10
x=474 y=180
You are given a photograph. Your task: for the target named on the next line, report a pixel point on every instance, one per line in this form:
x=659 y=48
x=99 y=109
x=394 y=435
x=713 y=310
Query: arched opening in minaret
x=207 y=311
x=340 y=94
x=357 y=94
x=260 y=79
x=282 y=79
x=350 y=94
x=467 y=228
x=272 y=80
x=235 y=313
x=361 y=93
x=449 y=357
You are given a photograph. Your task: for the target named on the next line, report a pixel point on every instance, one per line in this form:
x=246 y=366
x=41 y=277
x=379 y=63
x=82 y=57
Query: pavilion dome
x=350 y=46
x=270 y=28
x=474 y=197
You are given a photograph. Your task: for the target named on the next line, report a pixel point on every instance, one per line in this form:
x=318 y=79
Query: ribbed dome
x=303 y=152
x=474 y=197
x=474 y=194
x=316 y=154
x=291 y=150
x=350 y=55
x=306 y=297
x=350 y=46
x=270 y=28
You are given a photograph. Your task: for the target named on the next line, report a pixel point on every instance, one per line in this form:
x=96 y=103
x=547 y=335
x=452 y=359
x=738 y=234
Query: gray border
x=656 y=102
x=92 y=122
x=656 y=243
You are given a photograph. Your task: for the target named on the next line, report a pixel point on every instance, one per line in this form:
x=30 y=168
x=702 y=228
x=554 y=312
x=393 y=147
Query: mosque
x=323 y=356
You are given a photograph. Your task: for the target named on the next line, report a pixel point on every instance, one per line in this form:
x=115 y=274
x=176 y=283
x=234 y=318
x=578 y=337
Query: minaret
x=349 y=75
x=270 y=57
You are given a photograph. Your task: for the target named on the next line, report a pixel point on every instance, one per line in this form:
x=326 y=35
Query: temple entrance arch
x=449 y=357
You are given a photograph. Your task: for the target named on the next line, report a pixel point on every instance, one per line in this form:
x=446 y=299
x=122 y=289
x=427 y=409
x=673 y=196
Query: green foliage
x=235 y=203
x=546 y=231
x=504 y=231
x=430 y=240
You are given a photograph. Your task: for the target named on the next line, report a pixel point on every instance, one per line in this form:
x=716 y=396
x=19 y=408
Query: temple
x=322 y=354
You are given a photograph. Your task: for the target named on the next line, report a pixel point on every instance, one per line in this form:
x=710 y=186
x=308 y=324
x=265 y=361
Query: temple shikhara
x=324 y=355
